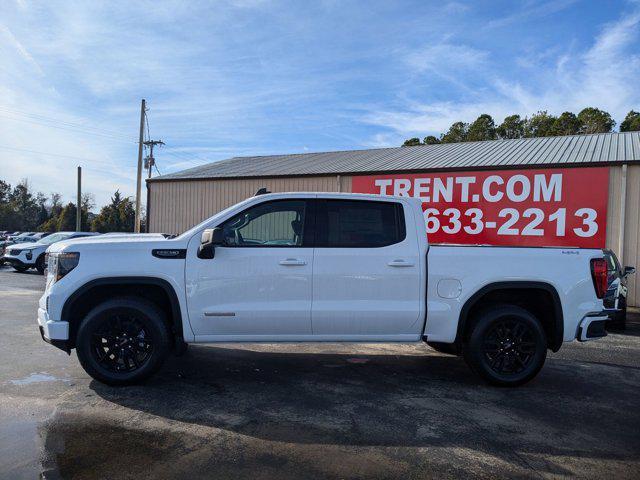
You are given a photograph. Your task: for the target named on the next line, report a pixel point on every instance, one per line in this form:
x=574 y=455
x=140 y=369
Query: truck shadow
x=427 y=400
x=632 y=325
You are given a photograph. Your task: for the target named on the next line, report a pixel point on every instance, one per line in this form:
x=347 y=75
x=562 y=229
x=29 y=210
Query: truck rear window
x=359 y=224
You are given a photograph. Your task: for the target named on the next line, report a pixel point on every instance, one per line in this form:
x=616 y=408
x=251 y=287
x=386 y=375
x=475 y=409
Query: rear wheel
x=507 y=346
x=123 y=341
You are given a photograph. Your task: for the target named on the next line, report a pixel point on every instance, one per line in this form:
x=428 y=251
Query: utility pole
x=149 y=162
x=79 y=202
x=139 y=177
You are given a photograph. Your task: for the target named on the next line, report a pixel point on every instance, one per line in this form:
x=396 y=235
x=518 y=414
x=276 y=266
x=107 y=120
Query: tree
x=457 y=133
x=64 y=218
x=66 y=221
x=118 y=216
x=594 y=120
x=431 y=140
x=539 y=125
x=566 y=124
x=631 y=122
x=412 y=142
x=483 y=128
x=56 y=204
x=43 y=212
x=88 y=201
x=511 y=127
x=5 y=189
x=24 y=205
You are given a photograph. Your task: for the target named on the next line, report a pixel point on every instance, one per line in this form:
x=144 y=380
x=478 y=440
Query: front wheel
x=20 y=268
x=123 y=341
x=507 y=346
x=40 y=265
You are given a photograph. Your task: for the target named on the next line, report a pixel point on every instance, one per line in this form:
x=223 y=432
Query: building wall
x=177 y=206
x=631 y=245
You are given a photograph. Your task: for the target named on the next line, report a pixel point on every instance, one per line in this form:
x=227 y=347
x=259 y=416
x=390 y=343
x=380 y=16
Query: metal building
x=180 y=200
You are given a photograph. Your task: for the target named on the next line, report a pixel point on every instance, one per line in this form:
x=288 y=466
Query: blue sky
x=251 y=77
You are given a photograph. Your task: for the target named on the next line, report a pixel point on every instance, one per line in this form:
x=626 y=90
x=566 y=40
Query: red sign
x=547 y=207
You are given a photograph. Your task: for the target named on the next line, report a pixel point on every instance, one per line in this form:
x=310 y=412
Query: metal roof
x=600 y=148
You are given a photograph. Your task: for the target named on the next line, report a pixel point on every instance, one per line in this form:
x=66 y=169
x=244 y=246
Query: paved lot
x=292 y=411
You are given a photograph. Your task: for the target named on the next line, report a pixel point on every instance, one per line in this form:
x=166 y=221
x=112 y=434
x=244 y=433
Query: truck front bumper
x=17 y=262
x=53 y=332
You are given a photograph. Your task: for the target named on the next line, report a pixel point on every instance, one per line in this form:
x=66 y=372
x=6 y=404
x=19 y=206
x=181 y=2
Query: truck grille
x=14 y=252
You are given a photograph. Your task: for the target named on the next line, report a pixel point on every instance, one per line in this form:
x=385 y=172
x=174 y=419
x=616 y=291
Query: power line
x=72 y=129
x=44 y=153
x=37 y=116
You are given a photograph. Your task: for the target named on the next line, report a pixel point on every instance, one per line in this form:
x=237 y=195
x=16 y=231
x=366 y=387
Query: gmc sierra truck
x=317 y=267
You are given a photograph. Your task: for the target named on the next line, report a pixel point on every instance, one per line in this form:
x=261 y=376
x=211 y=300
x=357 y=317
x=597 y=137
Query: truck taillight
x=599 y=276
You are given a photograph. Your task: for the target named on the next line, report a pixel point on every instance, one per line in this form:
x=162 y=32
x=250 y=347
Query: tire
x=447 y=348
x=507 y=346
x=40 y=266
x=20 y=269
x=132 y=331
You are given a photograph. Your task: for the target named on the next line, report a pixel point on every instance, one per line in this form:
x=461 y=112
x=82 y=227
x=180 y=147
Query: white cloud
x=530 y=10
x=447 y=57
x=604 y=75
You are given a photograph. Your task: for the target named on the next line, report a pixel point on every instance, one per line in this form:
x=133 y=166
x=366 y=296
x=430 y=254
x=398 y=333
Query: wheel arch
x=554 y=331
x=78 y=303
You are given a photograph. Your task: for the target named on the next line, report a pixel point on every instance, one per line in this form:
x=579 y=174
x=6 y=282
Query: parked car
x=40 y=235
x=24 y=257
x=296 y=267
x=615 y=298
x=20 y=235
x=5 y=244
x=17 y=240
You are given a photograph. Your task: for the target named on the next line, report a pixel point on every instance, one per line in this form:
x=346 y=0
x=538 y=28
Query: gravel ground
x=312 y=411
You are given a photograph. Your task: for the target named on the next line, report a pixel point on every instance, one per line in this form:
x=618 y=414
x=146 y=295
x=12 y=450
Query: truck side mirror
x=210 y=238
x=628 y=271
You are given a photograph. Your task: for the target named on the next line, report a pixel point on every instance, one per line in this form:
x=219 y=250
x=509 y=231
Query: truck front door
x=259 y=282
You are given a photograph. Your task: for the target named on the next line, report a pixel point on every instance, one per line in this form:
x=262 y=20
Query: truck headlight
x=59 y=264
x=29 y=254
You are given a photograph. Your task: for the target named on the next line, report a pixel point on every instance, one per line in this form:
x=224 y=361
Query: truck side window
x=359 y=224
x=270 y=224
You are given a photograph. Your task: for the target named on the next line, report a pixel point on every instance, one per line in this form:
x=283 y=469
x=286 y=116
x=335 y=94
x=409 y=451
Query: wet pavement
x=312 y=411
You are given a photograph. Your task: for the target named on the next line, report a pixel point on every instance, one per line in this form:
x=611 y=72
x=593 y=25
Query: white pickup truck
x=317 y=267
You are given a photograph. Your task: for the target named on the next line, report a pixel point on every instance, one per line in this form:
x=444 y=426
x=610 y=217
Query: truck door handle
x=292 y=262
x=400 y=263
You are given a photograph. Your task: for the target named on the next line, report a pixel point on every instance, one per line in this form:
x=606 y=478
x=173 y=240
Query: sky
x=259 y=77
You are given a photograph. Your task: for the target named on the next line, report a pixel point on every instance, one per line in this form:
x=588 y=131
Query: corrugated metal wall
x=631 y=245
x=176 y=206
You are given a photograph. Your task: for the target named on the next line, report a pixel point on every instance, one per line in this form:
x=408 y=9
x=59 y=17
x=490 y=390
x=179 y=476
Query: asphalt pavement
x=312 y=411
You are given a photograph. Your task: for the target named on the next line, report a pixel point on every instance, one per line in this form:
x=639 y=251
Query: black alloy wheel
x=122 y=344
x=123 y=341
x=506 y=345
x=509 y=346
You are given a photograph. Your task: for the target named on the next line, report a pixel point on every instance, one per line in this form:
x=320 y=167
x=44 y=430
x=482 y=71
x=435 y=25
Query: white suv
x=31 y=255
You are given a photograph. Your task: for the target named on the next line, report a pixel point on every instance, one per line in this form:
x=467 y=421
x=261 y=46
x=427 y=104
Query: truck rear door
x=366 y=269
